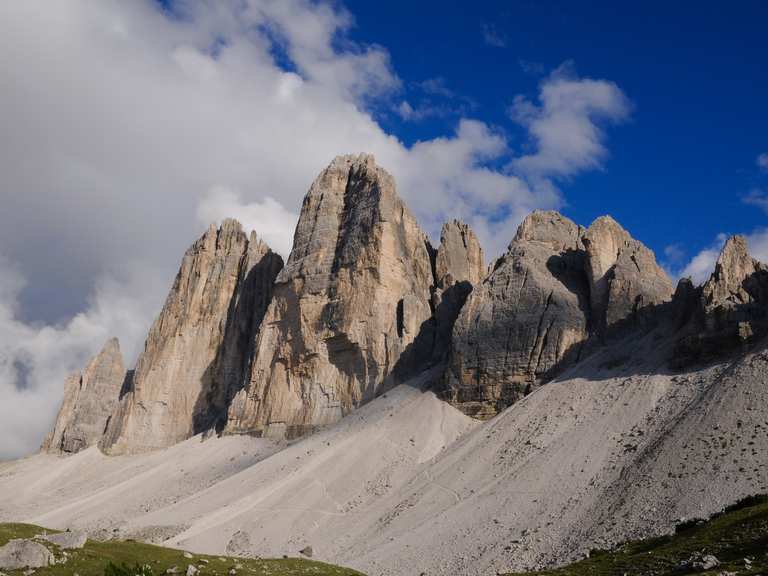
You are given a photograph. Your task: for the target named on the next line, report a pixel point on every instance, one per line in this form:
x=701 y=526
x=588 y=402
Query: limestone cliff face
x=198 y=350
x=527 y=317
x=459 y=267
x=89 y=400
x=736 y=280
x=351 y=299
x=728 y=312
x=557 y=287
x=623 y=274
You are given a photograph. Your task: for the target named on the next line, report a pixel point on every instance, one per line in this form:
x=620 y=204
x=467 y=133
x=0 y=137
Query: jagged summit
x=198 y=349
x=351 y=299
x=244 y=345
x=557 y=286
x=730 y=284
x=90 y=398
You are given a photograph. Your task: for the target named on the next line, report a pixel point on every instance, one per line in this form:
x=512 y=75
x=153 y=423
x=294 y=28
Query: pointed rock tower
x=89 y=400
x=623 y=274
x=728 y=312
x=351 y=299
x=198 y=350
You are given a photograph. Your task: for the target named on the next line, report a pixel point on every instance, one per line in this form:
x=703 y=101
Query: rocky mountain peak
x=90 y=398
x=198 y=349
x=623 y=274
x=350 y=301
x=557 y=287
x=551 y=228
x=459 y=257
x=729 y=283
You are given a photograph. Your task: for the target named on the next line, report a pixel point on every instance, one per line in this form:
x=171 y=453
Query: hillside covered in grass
x=732 y=542
x=96 y=557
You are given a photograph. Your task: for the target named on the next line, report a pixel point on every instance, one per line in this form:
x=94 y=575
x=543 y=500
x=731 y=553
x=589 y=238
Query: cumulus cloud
x=273 y=223
x=127 y=128
x=566 y=125
x=34 y=359
x=762 y=161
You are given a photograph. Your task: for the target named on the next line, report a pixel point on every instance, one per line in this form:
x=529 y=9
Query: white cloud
x=699 y=268
x=126 y=130
x=271 y=221
x=34 y=359
x=762 y=161
x=566 y=123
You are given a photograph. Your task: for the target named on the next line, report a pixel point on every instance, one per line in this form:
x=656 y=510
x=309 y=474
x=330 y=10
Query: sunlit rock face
x=90 y=398
x=199 y=349
x=557 y=286
x=352 y=298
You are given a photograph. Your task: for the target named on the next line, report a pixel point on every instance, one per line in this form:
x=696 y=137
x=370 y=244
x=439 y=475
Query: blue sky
x=695 y=72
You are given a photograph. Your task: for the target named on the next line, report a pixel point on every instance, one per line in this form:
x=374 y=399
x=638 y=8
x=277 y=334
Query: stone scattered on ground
x=191 y=570
x=19 y=553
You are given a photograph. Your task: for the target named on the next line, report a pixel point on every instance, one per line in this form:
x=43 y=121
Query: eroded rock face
x=557 y=287
x=198 y=350
x=351 y=299
x=728 y=311
x=459 y=266
x=529 y=316
x=623 y=274
x=459 y=257
x=738 y=279
x=89 y=400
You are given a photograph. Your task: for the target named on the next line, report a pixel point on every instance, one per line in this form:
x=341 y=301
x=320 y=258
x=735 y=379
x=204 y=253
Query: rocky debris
x=192 y=570
x=705 y=562
x=172 y=570
x=557 y=286
x=17 y=554
x=729 y=311
x=306 y=551
x=623 y=274
x=89 y=400
x=67 y=540
x=198 y=350
x=350 y=301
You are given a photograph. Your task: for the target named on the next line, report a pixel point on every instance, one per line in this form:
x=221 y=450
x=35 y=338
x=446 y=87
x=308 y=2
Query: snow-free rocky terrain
x=403 y=410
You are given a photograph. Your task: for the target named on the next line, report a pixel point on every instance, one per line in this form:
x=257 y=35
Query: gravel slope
x=617 y=447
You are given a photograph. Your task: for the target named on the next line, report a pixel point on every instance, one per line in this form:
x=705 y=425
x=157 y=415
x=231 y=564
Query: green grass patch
x=739 y=532
x=117 y=555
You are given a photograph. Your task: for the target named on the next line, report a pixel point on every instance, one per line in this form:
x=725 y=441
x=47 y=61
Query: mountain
x=350 y=301
x=198 y=350
x=90 y=398
x=557 y=287
x=403 y=409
